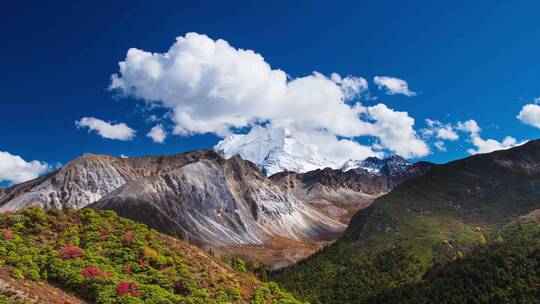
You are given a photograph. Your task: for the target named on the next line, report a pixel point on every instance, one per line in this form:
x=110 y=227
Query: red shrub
x=104 y=233
x=128 y=237
x=7 y=213
x=123 y=288
x=91 y=272
x=8 y=234
x=70 y=252
x=128 y=269
x=141 y=262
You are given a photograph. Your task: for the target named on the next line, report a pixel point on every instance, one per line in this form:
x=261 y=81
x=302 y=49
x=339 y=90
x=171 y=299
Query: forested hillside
x=102 y=258
x=432 y=219
x=503 y=268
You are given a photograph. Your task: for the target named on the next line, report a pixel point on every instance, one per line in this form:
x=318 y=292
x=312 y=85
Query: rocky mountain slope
x=226 y=204
x=388 y=166
x=435 y=217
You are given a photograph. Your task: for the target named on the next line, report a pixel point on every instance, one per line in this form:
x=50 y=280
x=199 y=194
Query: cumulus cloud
x=530 y=115
x=14 y=169
x=119 y=131
x=351 y=86
x=212 y=87
x=484 y=145
x=441 y=132
x=157 y=134
x=469 y=126
x=395 y=131
x=490 y=145
x=393 y=85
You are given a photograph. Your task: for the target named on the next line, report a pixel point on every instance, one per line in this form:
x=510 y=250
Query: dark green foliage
x=504 y=270
x=434 y=218
x=497 y=273
x=337 y=276
x=108 y=259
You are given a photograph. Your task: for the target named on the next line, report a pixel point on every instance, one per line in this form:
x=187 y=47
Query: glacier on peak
x=275 y=150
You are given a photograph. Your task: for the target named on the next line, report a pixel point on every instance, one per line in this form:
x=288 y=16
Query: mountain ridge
x=433 y=218
x=226 y=204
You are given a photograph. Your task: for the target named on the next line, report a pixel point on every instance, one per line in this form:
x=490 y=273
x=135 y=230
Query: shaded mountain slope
x=451 y=202
x=429 y=218
x=107 y=259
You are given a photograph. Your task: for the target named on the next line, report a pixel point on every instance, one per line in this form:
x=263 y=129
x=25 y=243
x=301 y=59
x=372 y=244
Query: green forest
x=502 y=269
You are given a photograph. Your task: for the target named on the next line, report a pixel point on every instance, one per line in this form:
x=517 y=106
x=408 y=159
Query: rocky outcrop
x=219 y=202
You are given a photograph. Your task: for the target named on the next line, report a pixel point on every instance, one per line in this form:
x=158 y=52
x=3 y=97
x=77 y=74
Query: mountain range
x=371 y=231
x=435 y=226
x=228 y=205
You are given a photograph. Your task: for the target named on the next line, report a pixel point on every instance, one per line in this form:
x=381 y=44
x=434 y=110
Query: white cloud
x=393 y=85
x=157 y=134
x=469 y=126
x=14 y=169
x=440 y=132
x=440 y=145
x=490 y=145
x=212 y=87
x=105 y=129
x=351 y=86
x=484 y=145
x=447 y=133
x=530 y=115
x=395 y=131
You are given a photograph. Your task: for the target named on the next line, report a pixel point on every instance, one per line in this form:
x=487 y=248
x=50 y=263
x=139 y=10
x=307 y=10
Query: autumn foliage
x=124 y=288
x=91 y=272
x=128 y=237
x=103 y=234
x=70 y=252
x=128 y=269
x=7 y=233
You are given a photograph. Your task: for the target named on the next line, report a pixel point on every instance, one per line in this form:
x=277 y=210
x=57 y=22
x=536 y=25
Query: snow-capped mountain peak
x=274 y=150
x=392 y=165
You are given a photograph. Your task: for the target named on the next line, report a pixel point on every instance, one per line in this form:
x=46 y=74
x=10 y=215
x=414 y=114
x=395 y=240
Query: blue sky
x=465 y=60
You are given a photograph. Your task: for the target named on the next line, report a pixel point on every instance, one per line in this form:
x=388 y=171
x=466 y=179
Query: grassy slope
x=428 y=218
x=154 y=267
x=506 y=270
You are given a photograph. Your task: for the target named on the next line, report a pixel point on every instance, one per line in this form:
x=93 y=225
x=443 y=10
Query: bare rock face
x=88 y=178
x=226 y=204
x=342 y=193
x=219 y=202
